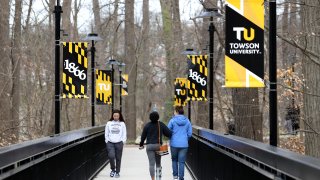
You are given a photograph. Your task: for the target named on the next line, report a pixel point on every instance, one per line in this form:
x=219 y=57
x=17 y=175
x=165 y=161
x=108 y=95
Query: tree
x=5 y=95
x=246 y=113
x=131 y=63
x=167 y=25
x=16 y=61
x=311 y=63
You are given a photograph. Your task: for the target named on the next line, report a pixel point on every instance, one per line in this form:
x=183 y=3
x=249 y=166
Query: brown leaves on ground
x=292 y=143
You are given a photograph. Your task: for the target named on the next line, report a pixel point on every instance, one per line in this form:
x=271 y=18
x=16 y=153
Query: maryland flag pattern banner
x=124 y=82
x=75 y=65
x=197 y=77
x=180 y=92
x=244 y=63
x=103 y=87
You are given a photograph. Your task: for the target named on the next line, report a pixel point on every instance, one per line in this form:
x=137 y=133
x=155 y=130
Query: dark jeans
x=115 y=154
x=178 y=156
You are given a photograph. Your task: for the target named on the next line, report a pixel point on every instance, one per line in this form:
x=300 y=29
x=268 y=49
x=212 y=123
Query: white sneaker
x=175 y=177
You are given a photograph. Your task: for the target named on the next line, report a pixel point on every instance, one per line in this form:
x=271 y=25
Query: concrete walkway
x=135 y=166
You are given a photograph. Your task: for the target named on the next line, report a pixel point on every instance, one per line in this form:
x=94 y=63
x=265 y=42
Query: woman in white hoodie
x=115 y=137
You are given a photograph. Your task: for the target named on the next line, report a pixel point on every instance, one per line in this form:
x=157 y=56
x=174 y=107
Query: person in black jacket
x=151 y=133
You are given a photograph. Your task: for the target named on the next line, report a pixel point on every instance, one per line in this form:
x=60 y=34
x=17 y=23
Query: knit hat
x=154 y=116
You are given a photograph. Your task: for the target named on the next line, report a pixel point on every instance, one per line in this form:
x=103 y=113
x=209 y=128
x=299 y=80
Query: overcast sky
x=188 y=8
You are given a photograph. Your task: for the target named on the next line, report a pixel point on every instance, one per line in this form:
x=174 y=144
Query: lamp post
x=92 y=37
x=210 y=13
x=121 y=66
x=189 y=52
x=273 y=121
x=112 y=62
x=57 y=11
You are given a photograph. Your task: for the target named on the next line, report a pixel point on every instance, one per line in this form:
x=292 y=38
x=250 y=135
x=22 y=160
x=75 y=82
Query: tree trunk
x=131 y=66
x=310 y=21
x=97 y=17
x=66 y=103
x=66 y=22
x=166 y=12
x=15 y=69
x=246 y=112
x=145 y=83
x=5 y=113
x=77 y=7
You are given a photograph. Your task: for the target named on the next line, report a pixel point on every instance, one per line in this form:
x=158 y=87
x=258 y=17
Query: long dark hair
x=117 y=111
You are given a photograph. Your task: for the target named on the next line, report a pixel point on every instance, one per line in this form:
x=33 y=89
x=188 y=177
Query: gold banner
x=180 y=92
x=244 y=56
x=103 y=87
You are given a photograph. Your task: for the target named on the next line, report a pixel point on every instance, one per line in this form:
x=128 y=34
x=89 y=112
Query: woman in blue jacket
x=181 y=132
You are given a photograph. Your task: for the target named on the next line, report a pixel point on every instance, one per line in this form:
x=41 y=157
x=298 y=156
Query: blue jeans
x=178 y=156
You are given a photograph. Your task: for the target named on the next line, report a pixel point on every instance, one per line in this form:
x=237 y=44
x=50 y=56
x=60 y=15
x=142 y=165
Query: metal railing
x=214 y=156
x=77 y=155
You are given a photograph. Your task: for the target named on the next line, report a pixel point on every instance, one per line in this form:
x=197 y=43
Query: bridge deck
x=135 y=166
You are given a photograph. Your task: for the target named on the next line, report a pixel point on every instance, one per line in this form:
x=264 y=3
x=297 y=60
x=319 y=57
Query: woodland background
x=150 y=43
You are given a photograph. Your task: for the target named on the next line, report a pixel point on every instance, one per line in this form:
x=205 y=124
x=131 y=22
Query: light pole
x=112 y=62
x=92 y=37
x=273 y=117
x=210 y=13
x=57 y=11
x=189 y=52
x=121 y=66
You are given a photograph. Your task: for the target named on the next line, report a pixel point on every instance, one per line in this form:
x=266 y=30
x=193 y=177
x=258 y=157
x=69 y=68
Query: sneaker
x=112 y=173
x=117 y=175
x=175 y=177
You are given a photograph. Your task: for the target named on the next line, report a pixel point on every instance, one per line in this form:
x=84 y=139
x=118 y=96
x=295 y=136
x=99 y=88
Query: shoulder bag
x=163 y=148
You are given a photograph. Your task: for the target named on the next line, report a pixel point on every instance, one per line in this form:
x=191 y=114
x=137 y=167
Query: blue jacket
x=181 y=131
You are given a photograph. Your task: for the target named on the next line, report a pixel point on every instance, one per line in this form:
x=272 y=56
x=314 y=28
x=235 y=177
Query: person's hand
x=141 y=147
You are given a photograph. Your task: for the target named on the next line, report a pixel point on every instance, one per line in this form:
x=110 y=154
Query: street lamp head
x=210 y=12
x=113 y=62
x=189 y=52
x=121 y=66
x=92 y=37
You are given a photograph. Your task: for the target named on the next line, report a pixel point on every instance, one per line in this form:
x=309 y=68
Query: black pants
x=115 y=154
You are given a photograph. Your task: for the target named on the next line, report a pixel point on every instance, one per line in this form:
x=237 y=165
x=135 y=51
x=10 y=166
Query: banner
x=197 y=77
x=124 y=86
x=75 y=65
x=244 y=63
x=180 y=92
x=103 y=87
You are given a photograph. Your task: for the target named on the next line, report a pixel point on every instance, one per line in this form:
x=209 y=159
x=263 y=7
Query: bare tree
x=167 y=21
x=15 y=69
x=311 y=70
x=5 y=96
x=246 y=113
x=131 y=63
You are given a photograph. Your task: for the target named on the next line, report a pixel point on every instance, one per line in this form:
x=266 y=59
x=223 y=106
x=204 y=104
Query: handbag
x=163 y=150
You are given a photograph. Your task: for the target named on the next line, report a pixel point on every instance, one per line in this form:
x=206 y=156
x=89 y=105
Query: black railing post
x=57 y=11
x=273 y=73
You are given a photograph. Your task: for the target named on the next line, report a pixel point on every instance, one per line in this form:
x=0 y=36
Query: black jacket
x=151 y=132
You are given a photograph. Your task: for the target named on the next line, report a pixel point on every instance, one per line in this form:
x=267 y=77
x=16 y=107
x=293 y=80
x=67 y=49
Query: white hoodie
x=115 y=131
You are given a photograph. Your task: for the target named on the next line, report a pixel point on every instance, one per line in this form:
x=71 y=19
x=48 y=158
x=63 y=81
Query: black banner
x=197 y=77
x=75 y=65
